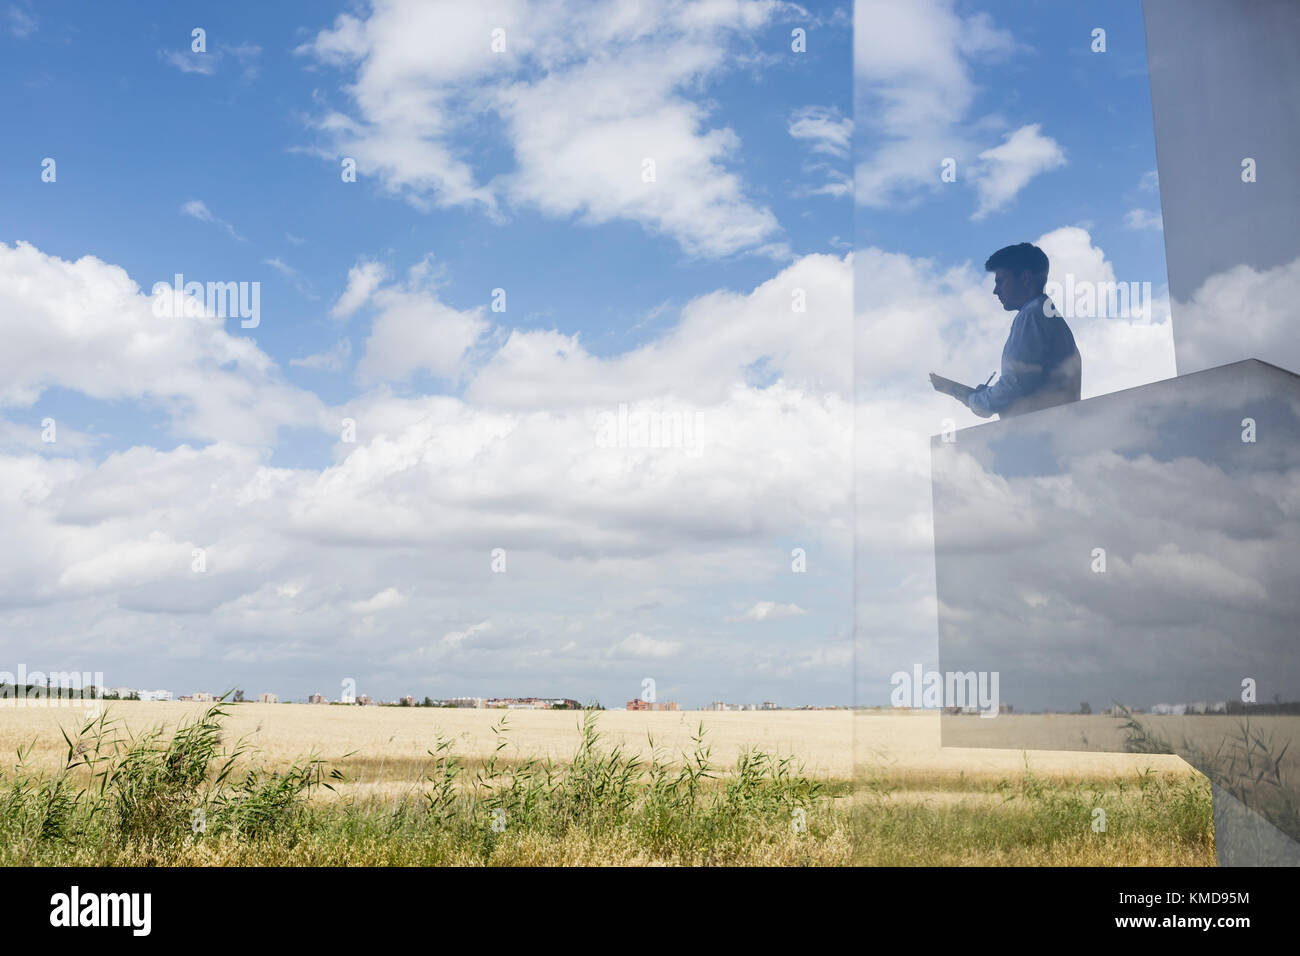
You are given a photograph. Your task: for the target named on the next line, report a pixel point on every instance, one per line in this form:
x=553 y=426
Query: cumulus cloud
x=413 y=330
x=914 y=90
x=391 y=541
x=1004 y=170
x=85 y=325
x=363 y=279
x=1240 y=313
x=594 y=101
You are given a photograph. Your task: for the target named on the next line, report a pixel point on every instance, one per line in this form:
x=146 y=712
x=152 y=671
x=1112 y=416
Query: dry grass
x=388 y=746
x=903 y=800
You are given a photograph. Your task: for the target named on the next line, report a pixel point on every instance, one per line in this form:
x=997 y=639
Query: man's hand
x=976 y=410
x=948 y=387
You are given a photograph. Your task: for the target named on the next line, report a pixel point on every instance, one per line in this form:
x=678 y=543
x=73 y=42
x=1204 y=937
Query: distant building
x=532 y=703
x=317 y=699
x=652 y=705
x=268 y=699
x=199 y=697
x=768 y=705
x=364 y=700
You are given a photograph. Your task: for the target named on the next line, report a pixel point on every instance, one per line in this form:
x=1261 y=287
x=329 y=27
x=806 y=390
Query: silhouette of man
x=1041 y=365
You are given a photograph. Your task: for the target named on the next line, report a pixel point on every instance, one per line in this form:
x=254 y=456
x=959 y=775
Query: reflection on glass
x=1122 y=571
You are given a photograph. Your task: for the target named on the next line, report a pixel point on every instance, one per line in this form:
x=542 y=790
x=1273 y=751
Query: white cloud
x=206 y=63
x=187 y=61
x=363 y=279
x=722 y=341
x=457 y=638
x=1141 y=219
x=333 y=360
x=1241 y=313
x=587 y=93
x=85 y=325
x=827 y=133
x=199 y=210
x=914 y=90
x=413 y=330
x=1004 y=170
x=385 y=600
x=824 y=128
x=771 y=611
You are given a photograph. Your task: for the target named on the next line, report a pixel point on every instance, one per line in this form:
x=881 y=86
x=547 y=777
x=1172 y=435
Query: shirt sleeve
x=1023 y=359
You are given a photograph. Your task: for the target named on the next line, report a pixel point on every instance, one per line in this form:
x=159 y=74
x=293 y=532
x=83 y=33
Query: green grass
x=1249 y=763
x=1149 y=820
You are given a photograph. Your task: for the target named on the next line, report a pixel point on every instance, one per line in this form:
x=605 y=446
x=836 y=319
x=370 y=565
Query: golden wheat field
x=384 y=750
x=876 y=786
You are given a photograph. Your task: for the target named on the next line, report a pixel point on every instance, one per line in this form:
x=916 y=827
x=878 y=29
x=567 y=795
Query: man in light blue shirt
x=1041 y=366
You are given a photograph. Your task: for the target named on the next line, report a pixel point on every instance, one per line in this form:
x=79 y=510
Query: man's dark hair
x=1022 y=257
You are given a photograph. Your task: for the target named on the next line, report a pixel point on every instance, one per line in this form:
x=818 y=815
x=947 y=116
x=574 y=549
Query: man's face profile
x=1013 y=289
